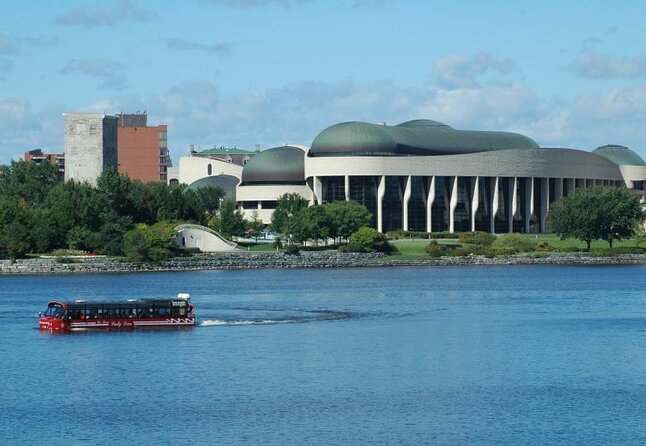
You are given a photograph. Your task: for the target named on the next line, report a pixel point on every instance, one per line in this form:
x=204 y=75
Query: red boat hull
x=58 y=324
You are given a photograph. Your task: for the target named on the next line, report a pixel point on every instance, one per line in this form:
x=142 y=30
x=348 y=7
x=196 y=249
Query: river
x=518 y=355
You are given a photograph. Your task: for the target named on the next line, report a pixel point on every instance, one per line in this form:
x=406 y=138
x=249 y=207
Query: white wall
x=193 y=168
x=205 y=241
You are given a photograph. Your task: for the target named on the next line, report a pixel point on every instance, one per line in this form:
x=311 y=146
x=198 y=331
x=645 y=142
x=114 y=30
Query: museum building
x=423 y=175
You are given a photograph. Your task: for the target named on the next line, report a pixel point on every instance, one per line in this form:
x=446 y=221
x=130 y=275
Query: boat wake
x=292 y=318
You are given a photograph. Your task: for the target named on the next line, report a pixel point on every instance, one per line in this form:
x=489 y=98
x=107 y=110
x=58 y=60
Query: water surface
x=454 y=355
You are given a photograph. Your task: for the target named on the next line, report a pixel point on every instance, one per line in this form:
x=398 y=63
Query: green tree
x=115 y=194
x=255 y=225
x=371 y=240
x=597 y=213
x=346 y=217
x=112 y=233
x=28 y=181
x=287 y=206
x=84 y=239
x=317 y=223
x=150 y=243
x=229 y=220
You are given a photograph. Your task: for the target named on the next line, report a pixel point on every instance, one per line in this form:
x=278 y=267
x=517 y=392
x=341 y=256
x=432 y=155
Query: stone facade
x=90 y=145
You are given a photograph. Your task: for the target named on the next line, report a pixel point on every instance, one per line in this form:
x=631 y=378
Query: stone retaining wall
x=331 y=259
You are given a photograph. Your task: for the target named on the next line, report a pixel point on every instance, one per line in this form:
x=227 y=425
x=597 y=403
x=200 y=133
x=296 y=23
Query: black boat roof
x=122 y=303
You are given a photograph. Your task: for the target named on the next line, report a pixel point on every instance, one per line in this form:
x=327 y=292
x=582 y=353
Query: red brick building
x=142 y=151
x=38 y=156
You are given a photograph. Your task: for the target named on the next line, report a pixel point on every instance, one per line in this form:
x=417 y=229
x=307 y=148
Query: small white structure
x=203 y=238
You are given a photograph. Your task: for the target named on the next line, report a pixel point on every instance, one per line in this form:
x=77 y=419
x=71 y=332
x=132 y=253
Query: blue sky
x=269 y=72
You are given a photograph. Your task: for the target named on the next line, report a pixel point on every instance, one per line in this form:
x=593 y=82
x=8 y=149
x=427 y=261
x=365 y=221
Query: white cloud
x=456 y=71
x=221 y=48
x=252 y=3
x=603 y=66
x=197 y=112
x=109 y=71
x=8 y=46
x=115 y=13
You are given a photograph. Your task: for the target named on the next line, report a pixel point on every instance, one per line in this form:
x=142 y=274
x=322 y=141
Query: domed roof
x=422 y=137
x=280 y=165
x=368 y=139
x=620 y=155
x=423 y=123
x=227 y=182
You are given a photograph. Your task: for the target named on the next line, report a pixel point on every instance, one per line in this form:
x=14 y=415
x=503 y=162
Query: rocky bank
x=331 y=259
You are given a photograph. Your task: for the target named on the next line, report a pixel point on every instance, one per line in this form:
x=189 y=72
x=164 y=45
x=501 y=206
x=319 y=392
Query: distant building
x=90 y=145
x=143 y=150
x=231 y=155
x=38 y=156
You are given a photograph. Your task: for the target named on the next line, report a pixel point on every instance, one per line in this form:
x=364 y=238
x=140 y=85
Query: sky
x=272 y=72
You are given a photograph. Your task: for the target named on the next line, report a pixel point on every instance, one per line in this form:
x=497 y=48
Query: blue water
x=445 y=356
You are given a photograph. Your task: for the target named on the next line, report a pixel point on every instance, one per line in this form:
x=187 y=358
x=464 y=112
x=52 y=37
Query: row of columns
x=532 y=205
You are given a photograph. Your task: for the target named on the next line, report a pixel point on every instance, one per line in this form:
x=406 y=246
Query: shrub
x=444 y=235
x=355 y=247
x=462 y=251
x=514 y=243
x=479 y=238
x=65 y=260
x=434 y=249
x=372 y=240
x=542 y=245
x=292 y=249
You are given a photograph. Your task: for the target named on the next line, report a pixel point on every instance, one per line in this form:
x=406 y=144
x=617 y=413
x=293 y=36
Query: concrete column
x=545 y=203
x=405 y=201
x=558 y=188
x=529 y=202
x=513 y=205
x=571 y=185
x=347 y=188
x=318 y=190
x=259 y=205
x=453 y=203
x=475 y=202
x=430 y=199
x=381 y=191
x=494 y=205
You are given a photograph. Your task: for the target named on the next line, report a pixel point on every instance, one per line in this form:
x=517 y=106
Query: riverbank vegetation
x=121 y=217
x=39 y=214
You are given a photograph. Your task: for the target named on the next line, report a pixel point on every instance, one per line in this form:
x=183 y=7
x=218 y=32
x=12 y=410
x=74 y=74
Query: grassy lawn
x=263 y=247
x=414 y=249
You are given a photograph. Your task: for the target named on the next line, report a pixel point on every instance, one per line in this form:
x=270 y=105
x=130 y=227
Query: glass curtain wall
x=363 y=190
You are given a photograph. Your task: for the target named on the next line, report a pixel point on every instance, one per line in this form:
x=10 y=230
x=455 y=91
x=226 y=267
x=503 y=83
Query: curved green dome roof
x=620 y=155
x=417 y=137
x=227 y=182
x=423 y=123
x=280 y=165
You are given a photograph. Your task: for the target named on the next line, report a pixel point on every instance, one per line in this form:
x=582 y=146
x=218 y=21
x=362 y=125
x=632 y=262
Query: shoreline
x=279 y=260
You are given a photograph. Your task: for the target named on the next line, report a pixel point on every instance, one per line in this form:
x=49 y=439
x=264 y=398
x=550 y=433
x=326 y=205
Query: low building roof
x=224 y=151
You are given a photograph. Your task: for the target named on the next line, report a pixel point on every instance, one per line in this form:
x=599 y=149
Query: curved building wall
x=263 y=198
x=193 y=168
x=497 y=191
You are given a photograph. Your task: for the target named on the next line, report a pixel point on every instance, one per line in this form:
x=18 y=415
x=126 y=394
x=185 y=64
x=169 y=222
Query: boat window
x=55 y=310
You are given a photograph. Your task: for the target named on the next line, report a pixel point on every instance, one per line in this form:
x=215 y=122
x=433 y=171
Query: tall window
x=209 y=169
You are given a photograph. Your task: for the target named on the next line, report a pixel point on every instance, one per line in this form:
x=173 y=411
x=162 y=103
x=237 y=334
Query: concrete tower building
x=90 y=145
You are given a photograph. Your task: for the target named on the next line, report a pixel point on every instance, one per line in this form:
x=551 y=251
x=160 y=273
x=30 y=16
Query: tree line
x=39 y=213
